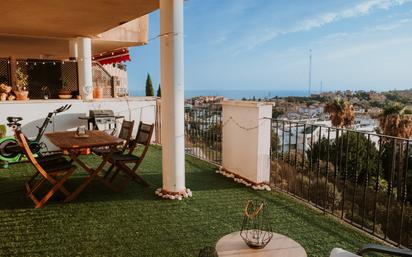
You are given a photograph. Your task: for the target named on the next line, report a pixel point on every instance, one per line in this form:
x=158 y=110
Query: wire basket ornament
x=256 y=230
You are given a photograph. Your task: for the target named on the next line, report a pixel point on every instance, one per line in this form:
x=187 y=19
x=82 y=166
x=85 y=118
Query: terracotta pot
x=98 y=92
x=21 y=95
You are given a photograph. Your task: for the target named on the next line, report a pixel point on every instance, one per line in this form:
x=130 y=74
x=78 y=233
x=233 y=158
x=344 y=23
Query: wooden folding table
x=73 y=144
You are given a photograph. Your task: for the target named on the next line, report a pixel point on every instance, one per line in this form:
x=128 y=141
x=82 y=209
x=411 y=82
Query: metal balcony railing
x=203 y=132
x=362 y=178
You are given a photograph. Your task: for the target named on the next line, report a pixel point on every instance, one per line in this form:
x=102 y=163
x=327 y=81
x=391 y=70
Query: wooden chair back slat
x=143 y=137
x=22 y=141
x=126 y=133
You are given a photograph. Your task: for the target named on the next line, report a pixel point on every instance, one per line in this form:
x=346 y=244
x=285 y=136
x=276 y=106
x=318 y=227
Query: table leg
x=93 y=174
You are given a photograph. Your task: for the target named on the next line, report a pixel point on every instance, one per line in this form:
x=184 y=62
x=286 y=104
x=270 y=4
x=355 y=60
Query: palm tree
x=341 y=113
x=394 y=122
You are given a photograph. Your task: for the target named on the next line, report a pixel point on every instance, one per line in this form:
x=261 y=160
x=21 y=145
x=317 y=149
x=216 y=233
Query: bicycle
x=10 y=150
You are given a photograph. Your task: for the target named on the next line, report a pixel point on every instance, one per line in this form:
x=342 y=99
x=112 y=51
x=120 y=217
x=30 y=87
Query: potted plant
x=97 y=91
x=21 y=85
x=4 y=92
x=65 y=92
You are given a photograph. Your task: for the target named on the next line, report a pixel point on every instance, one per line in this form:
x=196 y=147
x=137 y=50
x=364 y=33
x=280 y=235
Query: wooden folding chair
x=125 y=134
x=55 y=171
x=121 y=161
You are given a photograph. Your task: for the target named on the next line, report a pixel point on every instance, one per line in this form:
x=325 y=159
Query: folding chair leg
x=132 y=174
x=56 y=187
x=33 y=177
x=36 y=186
x=116 y=172
x=108 y=171
x=136 y=177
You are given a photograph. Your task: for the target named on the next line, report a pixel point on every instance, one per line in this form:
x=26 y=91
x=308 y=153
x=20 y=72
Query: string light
x=166 y=35
x=243 y=127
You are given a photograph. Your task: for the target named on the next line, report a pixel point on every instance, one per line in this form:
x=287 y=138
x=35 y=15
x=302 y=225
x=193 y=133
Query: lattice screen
x=69 y=74
x=4 y=72
x=52 y=74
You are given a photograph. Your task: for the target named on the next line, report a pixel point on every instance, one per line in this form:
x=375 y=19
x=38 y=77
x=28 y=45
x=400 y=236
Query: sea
x=236 y=94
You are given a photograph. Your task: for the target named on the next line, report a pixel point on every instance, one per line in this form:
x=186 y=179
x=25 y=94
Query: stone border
x=173 y=195
x=261 y=186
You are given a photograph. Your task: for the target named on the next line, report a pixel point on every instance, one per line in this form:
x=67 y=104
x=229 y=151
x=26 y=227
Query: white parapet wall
x=246 y=140
x=34 y=112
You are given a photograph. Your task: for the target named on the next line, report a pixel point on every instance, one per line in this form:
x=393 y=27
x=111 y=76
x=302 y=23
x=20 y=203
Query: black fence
x=362 y=178
x=203 y=132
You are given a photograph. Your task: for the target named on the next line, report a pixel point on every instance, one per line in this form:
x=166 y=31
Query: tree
x=276 y=113
x=341 y=113
x=275 y=143
x=394 y=122
x=159 y=92
x=350 y=153
x=149 y=86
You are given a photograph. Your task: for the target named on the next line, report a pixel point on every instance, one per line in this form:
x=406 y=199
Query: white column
x=73 y=54
x=172 y=81
x=84 y=66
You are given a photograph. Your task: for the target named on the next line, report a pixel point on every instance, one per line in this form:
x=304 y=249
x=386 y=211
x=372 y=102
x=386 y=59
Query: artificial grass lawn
x=137 y=223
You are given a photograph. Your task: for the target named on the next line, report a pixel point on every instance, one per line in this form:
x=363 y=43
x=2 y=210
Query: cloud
x=370 y=46
x=358 y=10
x=324 y=19
x=390 y=26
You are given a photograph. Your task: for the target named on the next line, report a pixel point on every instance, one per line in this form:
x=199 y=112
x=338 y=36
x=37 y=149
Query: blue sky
x=264 y=44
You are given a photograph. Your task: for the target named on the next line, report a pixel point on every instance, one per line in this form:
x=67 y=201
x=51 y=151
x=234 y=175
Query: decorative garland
x=242 y=181
x=173 y=195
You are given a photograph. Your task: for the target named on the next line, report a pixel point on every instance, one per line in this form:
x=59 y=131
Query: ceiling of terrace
x=69 y=18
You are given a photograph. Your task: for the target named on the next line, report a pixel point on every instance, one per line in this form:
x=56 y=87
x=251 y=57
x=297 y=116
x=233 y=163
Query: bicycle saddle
x=14 y=119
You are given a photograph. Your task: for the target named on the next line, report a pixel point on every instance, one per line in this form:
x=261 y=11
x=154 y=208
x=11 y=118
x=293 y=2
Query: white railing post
x=246 y=141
